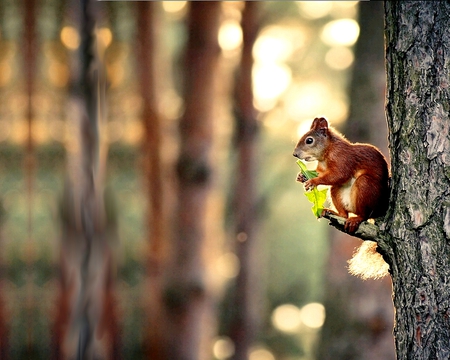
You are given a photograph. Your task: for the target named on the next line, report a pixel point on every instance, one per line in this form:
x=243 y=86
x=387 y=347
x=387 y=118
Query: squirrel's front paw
x=309 y=185
x=301 y=178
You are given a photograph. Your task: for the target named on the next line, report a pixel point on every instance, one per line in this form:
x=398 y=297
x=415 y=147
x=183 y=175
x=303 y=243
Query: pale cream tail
x=367 y=263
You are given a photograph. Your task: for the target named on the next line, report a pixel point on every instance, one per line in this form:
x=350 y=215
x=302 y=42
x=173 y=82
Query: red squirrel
x=358 y=173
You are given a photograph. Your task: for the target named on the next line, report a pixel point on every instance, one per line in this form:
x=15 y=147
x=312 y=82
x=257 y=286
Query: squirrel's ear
x=320 y=124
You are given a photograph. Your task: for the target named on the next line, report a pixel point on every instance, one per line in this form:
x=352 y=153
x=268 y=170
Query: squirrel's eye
x=309 y=140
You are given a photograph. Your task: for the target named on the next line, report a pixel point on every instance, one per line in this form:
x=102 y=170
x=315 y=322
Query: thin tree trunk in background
x=367 y=118
x=417 y=228
x=86 y=325
x=156 y=219
x=185 y=295
x=360 y=313
x=152 y=142
x=243 y=325
x=30 y=45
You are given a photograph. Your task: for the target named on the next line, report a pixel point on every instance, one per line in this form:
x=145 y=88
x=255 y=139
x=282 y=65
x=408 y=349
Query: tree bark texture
x=185 y=295
x=417 y=227
x=244 y=318
x=359 y=313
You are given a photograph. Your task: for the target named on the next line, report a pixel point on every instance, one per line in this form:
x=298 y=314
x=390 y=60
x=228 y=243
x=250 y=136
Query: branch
x=365 y=231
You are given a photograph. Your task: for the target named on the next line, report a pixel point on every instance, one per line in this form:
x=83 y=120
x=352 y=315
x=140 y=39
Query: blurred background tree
x=299 y=55
x=359 y=313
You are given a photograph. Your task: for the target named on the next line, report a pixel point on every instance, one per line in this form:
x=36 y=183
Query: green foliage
x=316 y=196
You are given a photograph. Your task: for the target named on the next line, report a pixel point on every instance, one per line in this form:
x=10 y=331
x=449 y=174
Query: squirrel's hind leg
x=337 y=203
x=352 y=224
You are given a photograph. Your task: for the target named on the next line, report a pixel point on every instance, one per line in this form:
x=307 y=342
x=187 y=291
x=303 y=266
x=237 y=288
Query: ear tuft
x=320 y=124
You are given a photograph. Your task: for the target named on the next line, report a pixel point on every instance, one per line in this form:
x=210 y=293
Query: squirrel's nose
x=294 y=155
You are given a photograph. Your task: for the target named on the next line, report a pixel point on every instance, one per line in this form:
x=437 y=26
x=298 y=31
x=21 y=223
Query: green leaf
x=316 y=196
x=310 y=174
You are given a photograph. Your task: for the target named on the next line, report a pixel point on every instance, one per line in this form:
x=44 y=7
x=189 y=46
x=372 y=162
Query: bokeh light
x=260 y=353
x=270 y=80
x=223 y=348
x=339 y=58
x=307 y=99
x=230 y=35
x=287 y=318
x=5 y=73
x=342 y=32
x=315 y=9
x=174 y=6
x=313 y=315
x=70 y=38
x=105 y=36
x=228 y=265
x=270 y=48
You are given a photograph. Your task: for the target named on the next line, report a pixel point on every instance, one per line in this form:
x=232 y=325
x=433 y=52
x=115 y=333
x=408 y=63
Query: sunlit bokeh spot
x=116 y=74
x=287 y=318
x=171 y=104
x=342 y=32
x=230 y=35
x=58 y=74
x=269 y=82
x=133 y=133
x=173 y=6
x=315 y=9
x=337 y=111
x=19 y=131
x=271 y=48
x=260 y=354
x=276 y=119
x=228 y=265
x=307 y=100
x=223 y=348
x=313 y=315
x=339 y=58
x=345 y=4
x=304 y=127
x=105 y=36
x=70 y=38
x=5 y=73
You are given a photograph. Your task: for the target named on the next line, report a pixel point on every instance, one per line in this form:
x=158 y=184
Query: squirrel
x=358 y=175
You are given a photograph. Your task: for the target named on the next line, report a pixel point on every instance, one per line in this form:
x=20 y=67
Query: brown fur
x=339 y=163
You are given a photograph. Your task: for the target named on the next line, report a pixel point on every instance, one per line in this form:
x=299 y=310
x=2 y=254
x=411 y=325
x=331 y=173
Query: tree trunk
x=86 y=325
x=417 y=227
x=30 y=47
x=184 y=289
x=244 y=321
x=152 y=143
x=156 y=219
x=359 y=313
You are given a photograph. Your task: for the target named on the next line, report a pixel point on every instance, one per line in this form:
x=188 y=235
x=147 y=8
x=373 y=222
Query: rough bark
x=244 y=321
x=360 y=313
x=185 y=295
x=417 y=228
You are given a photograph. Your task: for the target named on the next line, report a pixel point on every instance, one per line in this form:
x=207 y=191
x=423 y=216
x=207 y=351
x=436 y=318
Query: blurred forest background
x=148 y=185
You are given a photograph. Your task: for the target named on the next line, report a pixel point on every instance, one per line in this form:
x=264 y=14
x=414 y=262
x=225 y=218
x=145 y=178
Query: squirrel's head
x=311 y=146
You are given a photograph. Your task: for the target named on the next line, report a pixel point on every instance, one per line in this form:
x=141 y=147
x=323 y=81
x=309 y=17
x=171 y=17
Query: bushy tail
x=367 y=263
